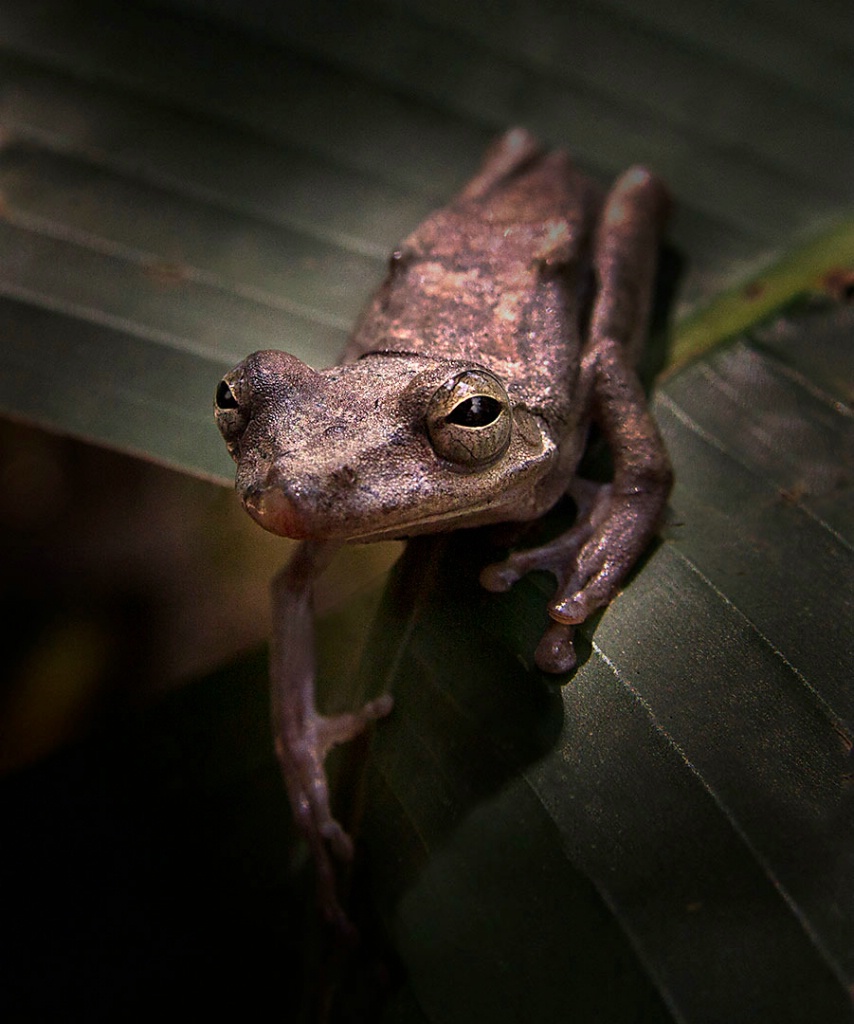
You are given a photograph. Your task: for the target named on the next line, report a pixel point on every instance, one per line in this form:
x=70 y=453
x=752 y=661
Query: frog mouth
x=277 y=514
x=422 y=524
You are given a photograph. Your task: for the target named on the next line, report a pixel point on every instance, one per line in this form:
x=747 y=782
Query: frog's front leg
x=303 y=736
x=616 y=521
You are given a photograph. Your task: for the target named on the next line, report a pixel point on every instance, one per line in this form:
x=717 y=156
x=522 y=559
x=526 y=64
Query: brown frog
x=509 y=322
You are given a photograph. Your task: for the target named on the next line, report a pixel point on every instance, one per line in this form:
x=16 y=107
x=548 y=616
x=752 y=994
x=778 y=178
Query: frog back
x=499 y=277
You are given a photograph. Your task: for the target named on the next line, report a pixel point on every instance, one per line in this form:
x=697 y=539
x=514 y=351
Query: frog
x=508 y=327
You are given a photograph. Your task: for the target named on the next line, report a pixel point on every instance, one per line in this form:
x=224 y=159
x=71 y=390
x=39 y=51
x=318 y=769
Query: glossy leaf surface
x=668 y=837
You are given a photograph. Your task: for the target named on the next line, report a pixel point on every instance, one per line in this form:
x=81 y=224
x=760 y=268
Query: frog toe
x=571 y=609
x=499 y=577
x=337 y=729
x=339 y=841
x=555 y=652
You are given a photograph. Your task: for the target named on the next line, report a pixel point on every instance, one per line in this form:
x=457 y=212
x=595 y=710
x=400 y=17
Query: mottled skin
x=508 y=323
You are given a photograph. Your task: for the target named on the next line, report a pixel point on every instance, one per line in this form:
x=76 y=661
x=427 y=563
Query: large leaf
x=669 y=836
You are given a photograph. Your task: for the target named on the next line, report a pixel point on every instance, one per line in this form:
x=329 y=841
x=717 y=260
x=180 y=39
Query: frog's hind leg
x=625 y=259
x=506 y=157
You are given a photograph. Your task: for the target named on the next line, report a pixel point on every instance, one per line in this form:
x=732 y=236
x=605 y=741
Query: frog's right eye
x=469 y=419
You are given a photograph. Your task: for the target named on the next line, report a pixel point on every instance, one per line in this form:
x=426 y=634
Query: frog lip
x=279 y=514
x=417 y=524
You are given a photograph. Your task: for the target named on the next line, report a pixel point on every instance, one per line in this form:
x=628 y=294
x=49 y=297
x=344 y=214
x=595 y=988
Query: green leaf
x=810 y=267
x=668 y=836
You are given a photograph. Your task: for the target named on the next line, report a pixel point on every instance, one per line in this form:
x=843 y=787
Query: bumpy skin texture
x=509 y=322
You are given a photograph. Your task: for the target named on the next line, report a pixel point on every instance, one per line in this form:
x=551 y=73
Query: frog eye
x=225 y=396
x=230 y=417
x=469 y=419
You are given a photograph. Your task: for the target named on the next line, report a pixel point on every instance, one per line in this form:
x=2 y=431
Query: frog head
x=391 y=445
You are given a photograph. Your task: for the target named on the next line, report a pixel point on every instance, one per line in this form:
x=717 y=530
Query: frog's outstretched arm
x=614 y=524
x=303 y=736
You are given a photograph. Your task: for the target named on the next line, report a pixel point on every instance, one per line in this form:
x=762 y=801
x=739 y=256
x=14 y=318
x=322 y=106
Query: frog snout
x=273 y=510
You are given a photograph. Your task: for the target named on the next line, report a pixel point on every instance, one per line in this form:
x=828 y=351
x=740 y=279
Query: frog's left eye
x=231 y=418
x=469 y=419
x=225 y=396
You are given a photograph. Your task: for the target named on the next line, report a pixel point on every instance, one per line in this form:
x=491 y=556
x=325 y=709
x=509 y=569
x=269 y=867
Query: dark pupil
x=478 y=411
x=224 y=397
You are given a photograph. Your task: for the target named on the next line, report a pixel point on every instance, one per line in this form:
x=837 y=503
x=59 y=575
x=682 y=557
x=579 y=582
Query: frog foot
x=572 y=602
x=589 y=562
x=301 y=756
x=555 y=652
x=564 y=558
